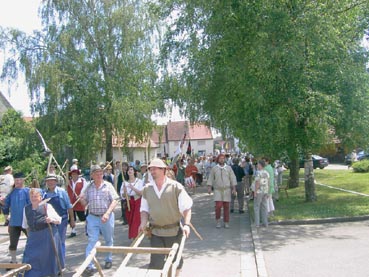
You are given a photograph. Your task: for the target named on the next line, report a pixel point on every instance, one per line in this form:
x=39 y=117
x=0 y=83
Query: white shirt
x=184 y=200
x=138 y=184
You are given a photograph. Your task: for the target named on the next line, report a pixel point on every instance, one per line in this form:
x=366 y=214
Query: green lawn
x=331 y=203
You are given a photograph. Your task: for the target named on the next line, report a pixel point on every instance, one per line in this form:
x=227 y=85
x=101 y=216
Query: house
x=198 y=134
x=142 y=151
x=4 y=105
x=164 y=141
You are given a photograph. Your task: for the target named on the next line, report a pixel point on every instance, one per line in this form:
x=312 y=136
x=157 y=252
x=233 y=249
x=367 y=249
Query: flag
x=189 y=148
x=183 y=140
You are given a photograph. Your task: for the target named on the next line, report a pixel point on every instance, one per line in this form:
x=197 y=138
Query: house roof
x=197 y=131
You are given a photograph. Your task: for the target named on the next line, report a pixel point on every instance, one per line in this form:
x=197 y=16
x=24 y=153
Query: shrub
x=361 y=166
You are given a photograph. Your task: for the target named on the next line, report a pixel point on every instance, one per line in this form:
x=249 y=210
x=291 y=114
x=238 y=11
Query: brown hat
x=157 y=163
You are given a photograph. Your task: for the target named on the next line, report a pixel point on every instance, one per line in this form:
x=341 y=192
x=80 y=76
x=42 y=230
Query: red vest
x=73 y=195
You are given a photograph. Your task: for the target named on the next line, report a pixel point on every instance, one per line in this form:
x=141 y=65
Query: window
x=200 y=142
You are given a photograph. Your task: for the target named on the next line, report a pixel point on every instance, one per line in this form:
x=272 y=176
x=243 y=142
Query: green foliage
x=361 y=166
x=94 y=64
x=19 y=145
x=278 y=75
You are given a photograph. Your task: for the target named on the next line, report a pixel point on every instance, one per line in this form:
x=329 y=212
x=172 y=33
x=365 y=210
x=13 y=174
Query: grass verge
x=331 y=202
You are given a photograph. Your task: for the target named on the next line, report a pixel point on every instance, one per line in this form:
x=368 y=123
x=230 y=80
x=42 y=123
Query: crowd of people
x=154 y=199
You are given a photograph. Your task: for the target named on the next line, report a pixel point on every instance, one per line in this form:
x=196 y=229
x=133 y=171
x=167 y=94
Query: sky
x=23 y=15
x=20 y=14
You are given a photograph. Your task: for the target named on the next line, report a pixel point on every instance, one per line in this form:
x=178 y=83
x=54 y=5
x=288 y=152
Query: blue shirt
x=63 y=196
x=16 y=201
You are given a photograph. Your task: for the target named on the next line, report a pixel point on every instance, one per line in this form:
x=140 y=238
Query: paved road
x=336 y=167
x=223 y=252
x=324 y=250
x=335 y=249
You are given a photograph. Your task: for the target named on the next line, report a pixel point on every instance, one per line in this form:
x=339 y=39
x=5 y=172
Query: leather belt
x=98 y=215
x=168 y=226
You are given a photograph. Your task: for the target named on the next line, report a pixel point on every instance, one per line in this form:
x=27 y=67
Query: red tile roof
x=197 y=131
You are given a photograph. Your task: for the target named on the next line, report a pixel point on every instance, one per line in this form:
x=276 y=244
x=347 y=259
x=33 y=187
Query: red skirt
x=133 y=217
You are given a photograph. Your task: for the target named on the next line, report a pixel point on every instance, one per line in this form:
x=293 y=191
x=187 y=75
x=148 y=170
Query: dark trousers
x=81 y=215
x=123 y=207
x=14 y=234
x=157 y=260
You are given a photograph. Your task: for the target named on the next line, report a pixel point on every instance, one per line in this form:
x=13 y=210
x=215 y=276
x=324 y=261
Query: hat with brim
x=76 y=170
x=18 y=175
x=51 y=177
x=157 y=163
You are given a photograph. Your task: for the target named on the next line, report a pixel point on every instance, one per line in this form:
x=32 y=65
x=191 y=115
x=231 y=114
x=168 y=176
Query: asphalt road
x=332 y=249
x=223 y=252
x=323 y=250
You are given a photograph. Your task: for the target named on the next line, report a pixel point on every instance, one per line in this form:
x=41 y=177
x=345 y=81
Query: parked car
x=318 y=162
x=363 y=157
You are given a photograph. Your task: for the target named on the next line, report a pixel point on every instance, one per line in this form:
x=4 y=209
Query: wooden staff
x=127 y=198
x=53 y=243
x=195 y=231
x=66 y=161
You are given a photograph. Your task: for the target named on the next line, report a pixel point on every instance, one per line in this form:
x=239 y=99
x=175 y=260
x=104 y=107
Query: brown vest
x=164 y=212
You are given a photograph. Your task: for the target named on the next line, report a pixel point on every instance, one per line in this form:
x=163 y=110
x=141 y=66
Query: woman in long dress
x=131 y=190
x=43 y=248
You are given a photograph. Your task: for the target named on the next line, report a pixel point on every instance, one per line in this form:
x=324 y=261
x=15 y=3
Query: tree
x=91 y=71
x=19 y=145
x=276 y=74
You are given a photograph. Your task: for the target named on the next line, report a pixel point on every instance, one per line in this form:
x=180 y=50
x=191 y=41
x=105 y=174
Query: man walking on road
x=223 y=180
x=164 y=202
x=240 y=187
x=101 y=198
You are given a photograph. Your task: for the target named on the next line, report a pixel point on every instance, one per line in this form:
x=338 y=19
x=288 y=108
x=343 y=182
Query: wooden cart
x=169 y=269
x=15 y=269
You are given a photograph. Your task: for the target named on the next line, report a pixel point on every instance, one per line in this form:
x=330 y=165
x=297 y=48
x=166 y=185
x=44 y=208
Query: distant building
x=164 y=141
x=200 y=136
x=4 y=105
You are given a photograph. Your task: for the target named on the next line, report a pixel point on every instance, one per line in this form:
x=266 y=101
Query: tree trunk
x=310 y=194
x=109 y=144
x=293 y=180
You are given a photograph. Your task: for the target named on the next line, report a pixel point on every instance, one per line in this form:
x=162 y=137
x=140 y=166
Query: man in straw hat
x=101 y=198
x=164 y=202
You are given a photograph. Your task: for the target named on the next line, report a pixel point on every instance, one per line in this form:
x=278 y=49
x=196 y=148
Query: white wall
x=138 y=154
